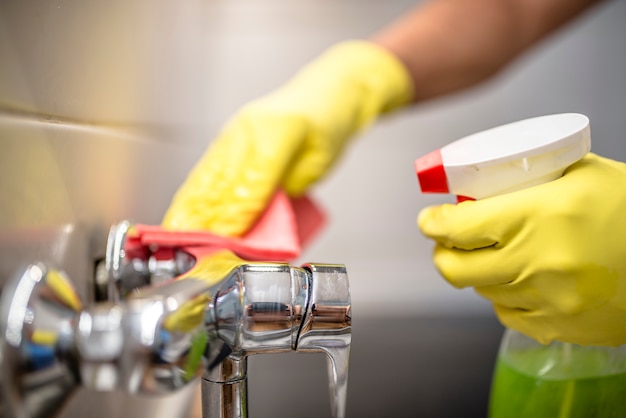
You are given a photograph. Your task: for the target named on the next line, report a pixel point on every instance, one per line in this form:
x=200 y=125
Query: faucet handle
x=327 y=327
x=272 y=307
x=329 y=316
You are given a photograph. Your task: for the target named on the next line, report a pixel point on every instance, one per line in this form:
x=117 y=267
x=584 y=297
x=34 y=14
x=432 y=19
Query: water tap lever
x=259 y=308
x=159 y=337
x=276 y=308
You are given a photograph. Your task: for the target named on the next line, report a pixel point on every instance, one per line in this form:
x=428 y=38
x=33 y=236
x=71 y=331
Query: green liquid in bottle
x=559 y=381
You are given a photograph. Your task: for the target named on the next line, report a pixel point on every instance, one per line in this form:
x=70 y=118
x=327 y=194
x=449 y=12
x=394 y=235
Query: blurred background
x=105 y=106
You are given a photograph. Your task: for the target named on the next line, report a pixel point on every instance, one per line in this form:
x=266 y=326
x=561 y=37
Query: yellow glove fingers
x=230 y=186
x=289 y=138
x=464 y=268
x=559 y=291
x=550 y=257
x=559 y=294
x=512 y=296
x=464 y=226
x=470 y=245
x=487 y=242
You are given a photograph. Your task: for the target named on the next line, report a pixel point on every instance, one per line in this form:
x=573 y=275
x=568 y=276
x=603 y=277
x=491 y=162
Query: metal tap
x=168 y=323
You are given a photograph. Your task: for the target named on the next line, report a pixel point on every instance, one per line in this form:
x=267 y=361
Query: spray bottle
x=530 y=379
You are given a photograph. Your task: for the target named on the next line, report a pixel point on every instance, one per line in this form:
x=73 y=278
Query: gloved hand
x=288 y=139
x=551 y=258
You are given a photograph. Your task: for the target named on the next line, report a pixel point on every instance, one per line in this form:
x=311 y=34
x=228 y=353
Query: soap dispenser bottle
x=531 y=380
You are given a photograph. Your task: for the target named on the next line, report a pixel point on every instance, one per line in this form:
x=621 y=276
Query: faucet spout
x=269 y=308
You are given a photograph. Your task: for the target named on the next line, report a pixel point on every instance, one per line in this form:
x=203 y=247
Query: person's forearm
x=448 y=45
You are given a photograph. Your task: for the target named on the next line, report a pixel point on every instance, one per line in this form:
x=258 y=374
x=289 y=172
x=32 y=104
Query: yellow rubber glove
x=289 y=138
x=551 y=258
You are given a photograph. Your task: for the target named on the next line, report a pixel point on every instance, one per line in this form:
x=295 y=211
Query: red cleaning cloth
x=279 y=235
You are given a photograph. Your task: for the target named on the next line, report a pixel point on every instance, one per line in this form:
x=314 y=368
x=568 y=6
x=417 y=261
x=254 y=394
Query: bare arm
x=448 y=45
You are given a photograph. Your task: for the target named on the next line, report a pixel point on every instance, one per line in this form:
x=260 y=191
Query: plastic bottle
x=530 y=379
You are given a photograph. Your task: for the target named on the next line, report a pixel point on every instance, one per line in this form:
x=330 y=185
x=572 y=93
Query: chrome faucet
x=168 y=322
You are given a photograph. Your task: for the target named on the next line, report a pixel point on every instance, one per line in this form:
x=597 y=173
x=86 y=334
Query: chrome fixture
x=160 y=330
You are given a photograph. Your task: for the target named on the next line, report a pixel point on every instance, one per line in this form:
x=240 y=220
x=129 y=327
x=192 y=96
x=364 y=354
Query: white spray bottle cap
x=506 y=158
